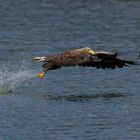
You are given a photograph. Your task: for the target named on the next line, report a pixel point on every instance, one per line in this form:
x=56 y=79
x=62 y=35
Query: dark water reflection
x=70 y=103
x=83 y=98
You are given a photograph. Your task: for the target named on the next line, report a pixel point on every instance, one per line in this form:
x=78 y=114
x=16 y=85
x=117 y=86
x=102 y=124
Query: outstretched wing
x=99 y=60
x=106 y=60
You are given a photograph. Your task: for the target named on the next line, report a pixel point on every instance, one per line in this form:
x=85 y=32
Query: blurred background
x=70 y=103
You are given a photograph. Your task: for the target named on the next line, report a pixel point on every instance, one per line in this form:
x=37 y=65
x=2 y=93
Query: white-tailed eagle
x=82 y=57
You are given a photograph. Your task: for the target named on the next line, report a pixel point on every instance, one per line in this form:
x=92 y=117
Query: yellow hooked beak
x=41 y=74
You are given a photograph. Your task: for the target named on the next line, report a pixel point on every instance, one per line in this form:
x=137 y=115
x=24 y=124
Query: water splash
x=9 y=81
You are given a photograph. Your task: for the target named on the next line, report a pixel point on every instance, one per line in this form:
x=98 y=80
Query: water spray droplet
x=9 y=81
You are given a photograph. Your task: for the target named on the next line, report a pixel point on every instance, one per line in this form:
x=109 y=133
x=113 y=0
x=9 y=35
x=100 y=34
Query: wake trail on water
x=9 y=81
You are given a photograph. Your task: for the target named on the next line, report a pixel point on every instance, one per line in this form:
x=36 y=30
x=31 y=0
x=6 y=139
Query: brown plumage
x=82 y=57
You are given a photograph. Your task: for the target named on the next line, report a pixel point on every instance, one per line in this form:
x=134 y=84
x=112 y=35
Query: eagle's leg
x=41 y=74
x=46 y=67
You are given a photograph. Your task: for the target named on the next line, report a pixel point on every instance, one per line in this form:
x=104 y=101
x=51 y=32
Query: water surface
x=70 y=103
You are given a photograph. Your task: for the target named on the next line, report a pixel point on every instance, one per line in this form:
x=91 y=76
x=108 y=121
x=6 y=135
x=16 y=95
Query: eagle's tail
x=135 y=61
x=138 y=56
x=41 y=59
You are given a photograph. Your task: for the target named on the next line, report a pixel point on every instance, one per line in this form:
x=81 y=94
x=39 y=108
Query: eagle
x=85 y=57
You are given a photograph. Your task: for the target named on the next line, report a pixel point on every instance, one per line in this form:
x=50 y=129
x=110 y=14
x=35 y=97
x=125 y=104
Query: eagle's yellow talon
x=41 y=75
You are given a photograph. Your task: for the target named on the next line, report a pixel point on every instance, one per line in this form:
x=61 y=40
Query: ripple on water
x=83 y=97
